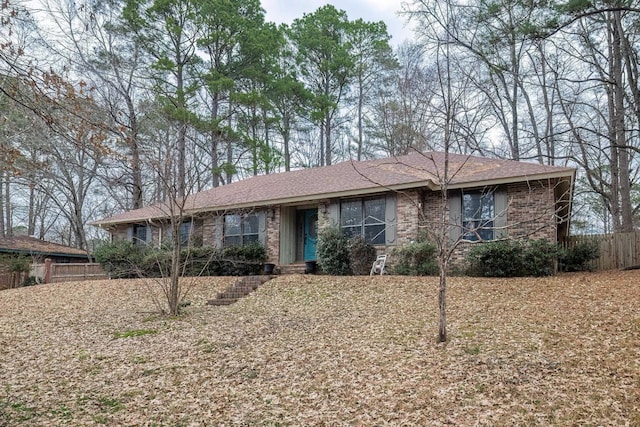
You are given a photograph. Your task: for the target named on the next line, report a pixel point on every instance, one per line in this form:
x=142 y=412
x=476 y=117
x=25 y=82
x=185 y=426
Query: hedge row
x=514 y=258
x=123 y=259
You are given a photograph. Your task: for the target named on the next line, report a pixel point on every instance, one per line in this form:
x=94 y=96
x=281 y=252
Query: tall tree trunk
x=134 y=148
x=286 y=142
x=7 y=206
x=360 y=108
x=182 y=134
x=327 y=145
x=624 y=185
x=549 y=127
x=617 y=133
x=515 y=65
x=3 y=228
x=322 y=142
x=229 y=151
x=216 y=177
x=31 y=226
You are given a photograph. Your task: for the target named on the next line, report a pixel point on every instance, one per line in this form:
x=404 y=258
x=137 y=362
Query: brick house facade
x=388 y=201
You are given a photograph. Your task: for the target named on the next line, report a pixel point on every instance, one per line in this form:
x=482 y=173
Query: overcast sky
x=286 y=11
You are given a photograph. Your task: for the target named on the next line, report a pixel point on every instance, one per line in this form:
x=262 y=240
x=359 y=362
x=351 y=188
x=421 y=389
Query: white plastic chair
x=378 y=265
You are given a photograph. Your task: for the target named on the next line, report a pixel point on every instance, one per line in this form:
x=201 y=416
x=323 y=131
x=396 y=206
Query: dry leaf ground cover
x=317 y=350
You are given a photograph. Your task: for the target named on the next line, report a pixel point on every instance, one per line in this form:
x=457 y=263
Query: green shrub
x=333 y=252
x=361 y=255
x=415 y=259
x=30 y=281
x=511 y=258
x=242 y=260
x=15 y=263
x=579 y=256
x=155 y=263
x=202 y=261
x=121 y=259
x=540 y=258
x=19 y=264
x=503 y=258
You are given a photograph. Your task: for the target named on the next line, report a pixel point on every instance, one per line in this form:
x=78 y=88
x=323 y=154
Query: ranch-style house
x=387 y=201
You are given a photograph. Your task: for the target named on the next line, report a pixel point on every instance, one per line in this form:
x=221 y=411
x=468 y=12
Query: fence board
x=618 y=250
x=59 y=273
x=10 y=280
x=76 y=272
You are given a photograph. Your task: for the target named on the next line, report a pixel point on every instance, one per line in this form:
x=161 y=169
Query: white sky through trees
x=285 y=11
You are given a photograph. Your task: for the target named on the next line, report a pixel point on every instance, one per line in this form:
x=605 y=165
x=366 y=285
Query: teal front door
x=310 y=234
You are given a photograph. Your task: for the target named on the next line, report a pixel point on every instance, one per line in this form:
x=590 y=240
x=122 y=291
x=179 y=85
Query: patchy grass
x=314 y=350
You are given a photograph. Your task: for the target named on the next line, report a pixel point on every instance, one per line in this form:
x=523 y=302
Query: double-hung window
x=185 y=232
x=478 y=215
x=364 y=217
x=140 y=236
x=240 y=230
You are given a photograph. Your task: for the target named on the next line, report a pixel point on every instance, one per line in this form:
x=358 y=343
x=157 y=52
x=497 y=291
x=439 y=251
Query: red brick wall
x=532 y=210
x=408 y=219
x=273 y=235
x=208 y=230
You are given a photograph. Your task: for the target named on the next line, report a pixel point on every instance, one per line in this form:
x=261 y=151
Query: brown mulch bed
x=317 y=350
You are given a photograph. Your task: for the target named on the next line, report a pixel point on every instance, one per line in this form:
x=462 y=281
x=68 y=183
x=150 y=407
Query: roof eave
x=430 y=184
x=569 y=173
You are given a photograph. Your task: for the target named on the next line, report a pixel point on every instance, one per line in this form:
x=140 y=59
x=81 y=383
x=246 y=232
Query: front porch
x=298 y=237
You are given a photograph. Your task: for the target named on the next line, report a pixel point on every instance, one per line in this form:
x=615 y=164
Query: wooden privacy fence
x=618 y=250
x=51 y=272
x=10 y=280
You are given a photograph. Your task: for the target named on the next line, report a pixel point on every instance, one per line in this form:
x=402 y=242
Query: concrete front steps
x=243 y=287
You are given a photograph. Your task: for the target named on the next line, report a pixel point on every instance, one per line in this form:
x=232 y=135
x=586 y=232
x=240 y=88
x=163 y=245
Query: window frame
x=135 y=234
x=366 y=222
x=479 y=226
x=245 y=235
x=186 y=231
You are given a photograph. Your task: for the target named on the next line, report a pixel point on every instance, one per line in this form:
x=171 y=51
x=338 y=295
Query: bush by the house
x=361 y=255
x=202 y=261
x=333 y=252
x=415 y=259
x=155 y=263
x=496 y=259
x=242 y=260
x=512 y=258
x=579 y=256
x=122 y=259
x=540 y=258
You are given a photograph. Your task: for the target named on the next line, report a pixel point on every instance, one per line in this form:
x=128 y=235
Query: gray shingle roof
x=350 y=178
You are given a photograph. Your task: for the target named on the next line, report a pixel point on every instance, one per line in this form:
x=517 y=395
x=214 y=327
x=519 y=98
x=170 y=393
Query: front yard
x=317 y=350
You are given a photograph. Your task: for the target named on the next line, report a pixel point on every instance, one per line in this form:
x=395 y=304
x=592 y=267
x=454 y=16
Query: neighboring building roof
x=31 y=246
x=353 y=178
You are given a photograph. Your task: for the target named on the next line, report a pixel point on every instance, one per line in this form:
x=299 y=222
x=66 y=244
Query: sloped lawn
x=314 y=350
